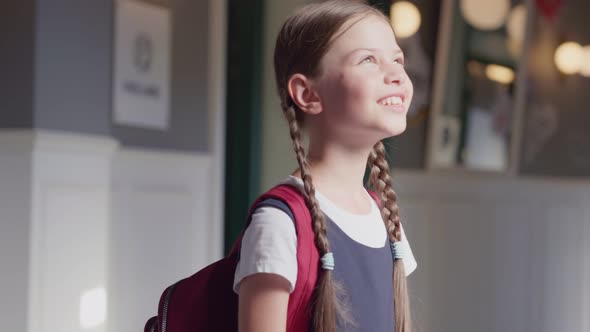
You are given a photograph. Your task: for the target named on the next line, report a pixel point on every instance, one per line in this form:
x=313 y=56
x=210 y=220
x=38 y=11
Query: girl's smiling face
x=362 y=86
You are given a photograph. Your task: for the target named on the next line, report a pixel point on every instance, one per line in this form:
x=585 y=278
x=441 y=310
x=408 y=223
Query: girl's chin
x=394 y=129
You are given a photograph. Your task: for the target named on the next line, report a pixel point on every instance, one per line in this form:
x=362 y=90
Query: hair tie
x=328 y=261
x=397 y=250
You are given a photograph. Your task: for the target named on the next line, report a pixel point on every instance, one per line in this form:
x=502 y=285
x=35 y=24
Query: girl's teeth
x=392 y=101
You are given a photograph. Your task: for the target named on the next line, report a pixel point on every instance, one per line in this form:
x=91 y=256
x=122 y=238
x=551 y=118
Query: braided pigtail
x=325 y=306
x=381 y=181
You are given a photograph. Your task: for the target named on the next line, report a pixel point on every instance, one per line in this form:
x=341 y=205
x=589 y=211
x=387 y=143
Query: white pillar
x=55 y=188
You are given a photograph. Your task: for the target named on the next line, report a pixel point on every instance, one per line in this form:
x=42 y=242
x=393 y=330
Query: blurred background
x=134 y=135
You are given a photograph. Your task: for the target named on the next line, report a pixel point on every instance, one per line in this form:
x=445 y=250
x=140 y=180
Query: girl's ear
x=303 y=95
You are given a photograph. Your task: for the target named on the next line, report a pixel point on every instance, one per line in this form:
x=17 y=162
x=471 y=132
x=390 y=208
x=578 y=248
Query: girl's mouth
x=391 y=100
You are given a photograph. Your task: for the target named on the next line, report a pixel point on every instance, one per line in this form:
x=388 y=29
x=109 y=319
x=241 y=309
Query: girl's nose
x=394 y=74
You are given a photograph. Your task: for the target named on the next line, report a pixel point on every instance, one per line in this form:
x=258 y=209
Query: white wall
x=159 y=230
x=79 y=211
x=15 y=210
x=69 y=227
x=55 y=215
x=497 y=254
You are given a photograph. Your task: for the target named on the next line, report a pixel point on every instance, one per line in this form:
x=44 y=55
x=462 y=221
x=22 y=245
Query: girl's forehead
x=371 y=32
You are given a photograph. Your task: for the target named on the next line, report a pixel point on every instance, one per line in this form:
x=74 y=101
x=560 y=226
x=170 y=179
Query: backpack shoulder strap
x=298 y=313
x=281 y=196
x=278 y=204
x=375 y=197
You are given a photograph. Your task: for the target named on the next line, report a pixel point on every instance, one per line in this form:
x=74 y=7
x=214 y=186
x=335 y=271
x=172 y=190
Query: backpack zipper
x=165 y=308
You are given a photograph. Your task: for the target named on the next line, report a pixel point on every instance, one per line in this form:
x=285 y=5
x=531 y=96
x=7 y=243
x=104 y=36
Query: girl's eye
x=399 y=60
x=369 y=59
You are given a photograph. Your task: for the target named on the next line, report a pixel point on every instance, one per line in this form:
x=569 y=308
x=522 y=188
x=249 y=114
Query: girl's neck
x=337 y=172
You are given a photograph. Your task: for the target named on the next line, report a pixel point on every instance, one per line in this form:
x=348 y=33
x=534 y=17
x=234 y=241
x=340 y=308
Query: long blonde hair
x=302 y=41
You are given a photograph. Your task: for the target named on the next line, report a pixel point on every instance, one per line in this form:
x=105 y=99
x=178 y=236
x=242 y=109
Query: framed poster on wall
x=141 y=78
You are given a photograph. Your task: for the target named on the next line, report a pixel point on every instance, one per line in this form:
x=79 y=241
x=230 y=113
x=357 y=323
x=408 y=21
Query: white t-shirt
x=269 y=244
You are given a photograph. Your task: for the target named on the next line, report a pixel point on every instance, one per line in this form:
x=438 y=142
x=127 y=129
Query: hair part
x=303 y=40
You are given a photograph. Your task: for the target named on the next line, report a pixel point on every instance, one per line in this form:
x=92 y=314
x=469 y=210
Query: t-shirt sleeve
x=410 y=263
x=269 y=245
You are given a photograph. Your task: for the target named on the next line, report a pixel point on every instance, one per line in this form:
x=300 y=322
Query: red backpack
x=206 y=301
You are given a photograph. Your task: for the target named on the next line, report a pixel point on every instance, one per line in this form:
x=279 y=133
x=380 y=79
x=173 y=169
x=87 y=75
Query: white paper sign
x=141 y=95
